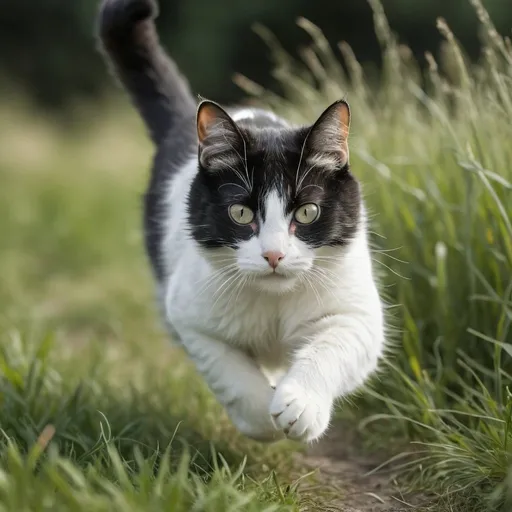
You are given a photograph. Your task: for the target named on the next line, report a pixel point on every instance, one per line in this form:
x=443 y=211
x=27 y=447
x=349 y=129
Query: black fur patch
x=272 y=163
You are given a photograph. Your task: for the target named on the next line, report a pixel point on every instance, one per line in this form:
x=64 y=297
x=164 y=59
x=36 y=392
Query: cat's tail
x=130 y=41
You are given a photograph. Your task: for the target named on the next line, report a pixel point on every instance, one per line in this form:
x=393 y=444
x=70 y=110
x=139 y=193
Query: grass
x=117 y=438
x=98 y=412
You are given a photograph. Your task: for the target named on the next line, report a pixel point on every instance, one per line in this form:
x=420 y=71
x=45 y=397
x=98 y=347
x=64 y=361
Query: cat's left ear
x=220 y=140
x=327 y=141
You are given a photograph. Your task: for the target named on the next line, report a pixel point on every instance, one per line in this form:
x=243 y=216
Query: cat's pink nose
x=273 y=257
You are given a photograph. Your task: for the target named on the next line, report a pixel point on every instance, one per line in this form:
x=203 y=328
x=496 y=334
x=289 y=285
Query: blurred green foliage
x=48 y=47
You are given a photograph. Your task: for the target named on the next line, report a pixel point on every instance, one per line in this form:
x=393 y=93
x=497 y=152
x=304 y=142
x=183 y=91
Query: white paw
x=264 y=433
x=299 y=413
x=250 y=416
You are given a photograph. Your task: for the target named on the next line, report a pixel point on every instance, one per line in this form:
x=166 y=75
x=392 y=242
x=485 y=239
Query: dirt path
x=342 y=471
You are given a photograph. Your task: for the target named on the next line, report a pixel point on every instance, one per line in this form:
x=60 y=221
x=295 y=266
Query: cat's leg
x=238 y=384
x=337 y=359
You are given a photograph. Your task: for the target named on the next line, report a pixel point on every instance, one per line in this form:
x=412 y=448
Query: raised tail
x=157 y=88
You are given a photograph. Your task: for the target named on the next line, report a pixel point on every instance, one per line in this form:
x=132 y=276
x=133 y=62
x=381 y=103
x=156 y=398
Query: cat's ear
x=220 y=140
x=327 y=141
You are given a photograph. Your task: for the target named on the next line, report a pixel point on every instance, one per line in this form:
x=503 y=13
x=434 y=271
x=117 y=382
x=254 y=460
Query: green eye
x=241 y=214
x=307 y=213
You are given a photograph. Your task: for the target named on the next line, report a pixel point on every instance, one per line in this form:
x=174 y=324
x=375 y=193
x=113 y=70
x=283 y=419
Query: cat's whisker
x=378 y=249
x=243 y=160
x=224 y=287
x=305 y=174
x=327 y=274
x=377 y=234
x=390 y=269
x=313 y=288
x=311 y=185
x=222 y=260
x=212 y=279
x=242 y=178
x=390 y=257
x=230 y=183
x=245 y=164
x=220 y=270
x=302 y=149
x=242 y=284
x=205 y=288
x=321 y=280
x=235 y=290
x=331 y=285
x=339 y=259
x=252 y=177
x=206 y=240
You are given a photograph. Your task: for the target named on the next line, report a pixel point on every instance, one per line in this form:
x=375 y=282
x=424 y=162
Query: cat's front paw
x=263 y=433
x=300 y=413
x=250 y=415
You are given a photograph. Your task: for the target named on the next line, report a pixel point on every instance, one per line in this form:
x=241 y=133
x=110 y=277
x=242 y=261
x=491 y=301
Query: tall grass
x=99 y=433
x=434 y=151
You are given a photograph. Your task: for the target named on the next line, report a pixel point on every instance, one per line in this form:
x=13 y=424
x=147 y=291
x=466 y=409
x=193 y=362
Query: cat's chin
x=276 y=283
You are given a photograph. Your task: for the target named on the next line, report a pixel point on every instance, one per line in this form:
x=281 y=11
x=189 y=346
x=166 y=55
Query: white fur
x=243 y=114
x=315 y=330
x=248 y=113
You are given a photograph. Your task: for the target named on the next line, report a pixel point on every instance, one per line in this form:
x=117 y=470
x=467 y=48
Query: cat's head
x=268 y=200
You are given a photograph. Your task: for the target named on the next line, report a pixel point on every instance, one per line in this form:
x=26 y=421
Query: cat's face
x=269 y=201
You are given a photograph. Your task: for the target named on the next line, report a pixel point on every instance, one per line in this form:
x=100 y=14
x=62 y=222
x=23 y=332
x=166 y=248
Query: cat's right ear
x=327 y=141
x=220 y=140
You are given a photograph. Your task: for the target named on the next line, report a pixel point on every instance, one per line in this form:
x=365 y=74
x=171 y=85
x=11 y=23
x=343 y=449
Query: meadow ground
x=99 y=412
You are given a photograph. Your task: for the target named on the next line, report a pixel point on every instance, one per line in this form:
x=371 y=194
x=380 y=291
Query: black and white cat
x=256 y=233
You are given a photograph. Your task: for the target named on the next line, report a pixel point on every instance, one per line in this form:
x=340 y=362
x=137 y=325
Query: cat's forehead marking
x=274 y=209
x=273 y=231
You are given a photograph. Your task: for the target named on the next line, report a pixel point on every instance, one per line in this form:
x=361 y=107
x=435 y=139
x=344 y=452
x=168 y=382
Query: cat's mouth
x=275 y=282
x=275 y=276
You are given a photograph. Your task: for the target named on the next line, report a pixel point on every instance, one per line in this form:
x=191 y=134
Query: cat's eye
x=241 y=214
x=307 y=213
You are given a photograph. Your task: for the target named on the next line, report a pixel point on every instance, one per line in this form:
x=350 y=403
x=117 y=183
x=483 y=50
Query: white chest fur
x=268 y=326
x=325 y=334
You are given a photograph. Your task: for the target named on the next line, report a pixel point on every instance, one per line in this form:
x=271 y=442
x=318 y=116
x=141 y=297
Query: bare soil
x=343 y=483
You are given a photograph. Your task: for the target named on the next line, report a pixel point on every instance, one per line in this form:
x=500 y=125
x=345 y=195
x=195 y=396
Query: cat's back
x=257 y=118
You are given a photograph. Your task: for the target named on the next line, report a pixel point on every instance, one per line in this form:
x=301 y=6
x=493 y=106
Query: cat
x=256 y=232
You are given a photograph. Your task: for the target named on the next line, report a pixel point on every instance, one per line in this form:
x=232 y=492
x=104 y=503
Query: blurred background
x=48 y=48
